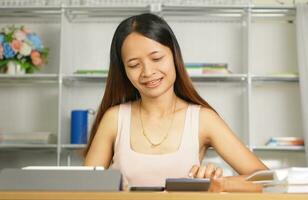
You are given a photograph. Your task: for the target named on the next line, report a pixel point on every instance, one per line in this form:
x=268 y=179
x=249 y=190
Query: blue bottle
x=79 y=126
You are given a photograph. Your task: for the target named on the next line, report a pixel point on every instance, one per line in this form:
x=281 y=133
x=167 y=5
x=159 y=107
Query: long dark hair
x=118 y=87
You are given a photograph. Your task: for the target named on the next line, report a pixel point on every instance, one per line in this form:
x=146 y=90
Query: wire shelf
x=219 y=78
x=73 y=146
x=90 y=13
x=85 y=10
x=279 y=148
x=31 y=14
x=205 y=2
x=31 y=3
x=29 y=79
x=55 y=3
x=275 y=78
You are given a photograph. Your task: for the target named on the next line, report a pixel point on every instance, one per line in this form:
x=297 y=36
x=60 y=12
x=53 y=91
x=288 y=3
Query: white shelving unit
x=258 y=43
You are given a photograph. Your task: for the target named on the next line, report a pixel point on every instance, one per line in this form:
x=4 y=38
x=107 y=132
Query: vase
x=14 y=68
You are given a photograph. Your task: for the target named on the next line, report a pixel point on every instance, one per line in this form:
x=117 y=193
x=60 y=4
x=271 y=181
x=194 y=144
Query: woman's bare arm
x=226 y=144
x=101 y=150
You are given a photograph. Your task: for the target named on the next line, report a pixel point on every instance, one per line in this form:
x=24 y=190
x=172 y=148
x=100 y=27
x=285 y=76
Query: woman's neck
x=159 y=107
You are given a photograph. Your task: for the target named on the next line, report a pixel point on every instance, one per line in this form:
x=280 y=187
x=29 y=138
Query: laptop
x=52 y=178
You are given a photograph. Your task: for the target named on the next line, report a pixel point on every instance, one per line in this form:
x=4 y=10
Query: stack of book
x=285 y=141
x=28 y=138
x=207 y=68
x=288 y=180
x=91 y=71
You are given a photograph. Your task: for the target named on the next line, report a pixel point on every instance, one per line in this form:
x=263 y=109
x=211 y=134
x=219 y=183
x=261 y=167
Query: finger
x=210 y=169
x=201 y=171
x=193 y=171
x=218 y=173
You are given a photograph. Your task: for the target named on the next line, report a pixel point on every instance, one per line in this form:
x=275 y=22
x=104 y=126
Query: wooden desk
x=147 y=196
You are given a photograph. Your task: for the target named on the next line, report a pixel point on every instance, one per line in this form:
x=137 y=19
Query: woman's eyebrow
x=153 y=52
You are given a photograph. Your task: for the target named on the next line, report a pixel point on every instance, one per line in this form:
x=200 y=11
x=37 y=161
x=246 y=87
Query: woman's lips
x=153 y=83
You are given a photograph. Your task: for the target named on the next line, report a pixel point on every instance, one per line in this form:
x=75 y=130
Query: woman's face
x=148 y=64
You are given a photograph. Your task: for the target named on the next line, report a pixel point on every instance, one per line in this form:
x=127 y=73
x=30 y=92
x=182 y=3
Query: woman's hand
x=205 y=171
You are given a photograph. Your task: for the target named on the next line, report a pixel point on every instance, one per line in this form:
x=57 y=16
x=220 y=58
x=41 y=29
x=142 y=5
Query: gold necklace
x=153 y=145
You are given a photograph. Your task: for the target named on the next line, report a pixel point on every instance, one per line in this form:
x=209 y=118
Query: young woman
x=152 y=124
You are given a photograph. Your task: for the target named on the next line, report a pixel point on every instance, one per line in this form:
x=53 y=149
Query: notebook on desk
x=187 y=184
x=63 y=168
x=60 y=179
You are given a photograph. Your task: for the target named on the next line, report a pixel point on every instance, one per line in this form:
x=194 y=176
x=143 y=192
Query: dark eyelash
x=132 y=66
x=157 y=59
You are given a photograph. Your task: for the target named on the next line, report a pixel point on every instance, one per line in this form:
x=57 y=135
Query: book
x=285 y=141
x=263 y=176
x=91 y=71
x=286 y=188
x=287 y=180
x=207 y=68
x=28 y=138
x=293 y=175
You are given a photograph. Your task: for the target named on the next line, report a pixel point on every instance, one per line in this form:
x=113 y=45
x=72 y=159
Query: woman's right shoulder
x=109 y=122
x=112 y=112
x=110 y=118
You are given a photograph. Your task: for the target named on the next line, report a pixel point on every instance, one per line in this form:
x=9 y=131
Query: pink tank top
x=140 y=169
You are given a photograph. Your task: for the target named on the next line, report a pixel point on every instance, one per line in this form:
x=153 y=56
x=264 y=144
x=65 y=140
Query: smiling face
x=148 y=64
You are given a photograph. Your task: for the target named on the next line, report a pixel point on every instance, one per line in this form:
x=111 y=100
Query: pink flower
x=19 y=35
x=1 y=52
x=36 y=58
x=35 y=54
x=16 y=45
x=37 y=61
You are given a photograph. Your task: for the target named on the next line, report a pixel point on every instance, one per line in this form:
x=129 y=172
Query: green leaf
x=9 y=37
x=3 y=63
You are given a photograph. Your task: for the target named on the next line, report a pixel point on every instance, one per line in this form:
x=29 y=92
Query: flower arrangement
x=23 y=47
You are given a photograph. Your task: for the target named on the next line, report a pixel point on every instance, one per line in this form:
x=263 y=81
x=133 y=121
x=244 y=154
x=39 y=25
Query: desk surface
x=147 y=196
